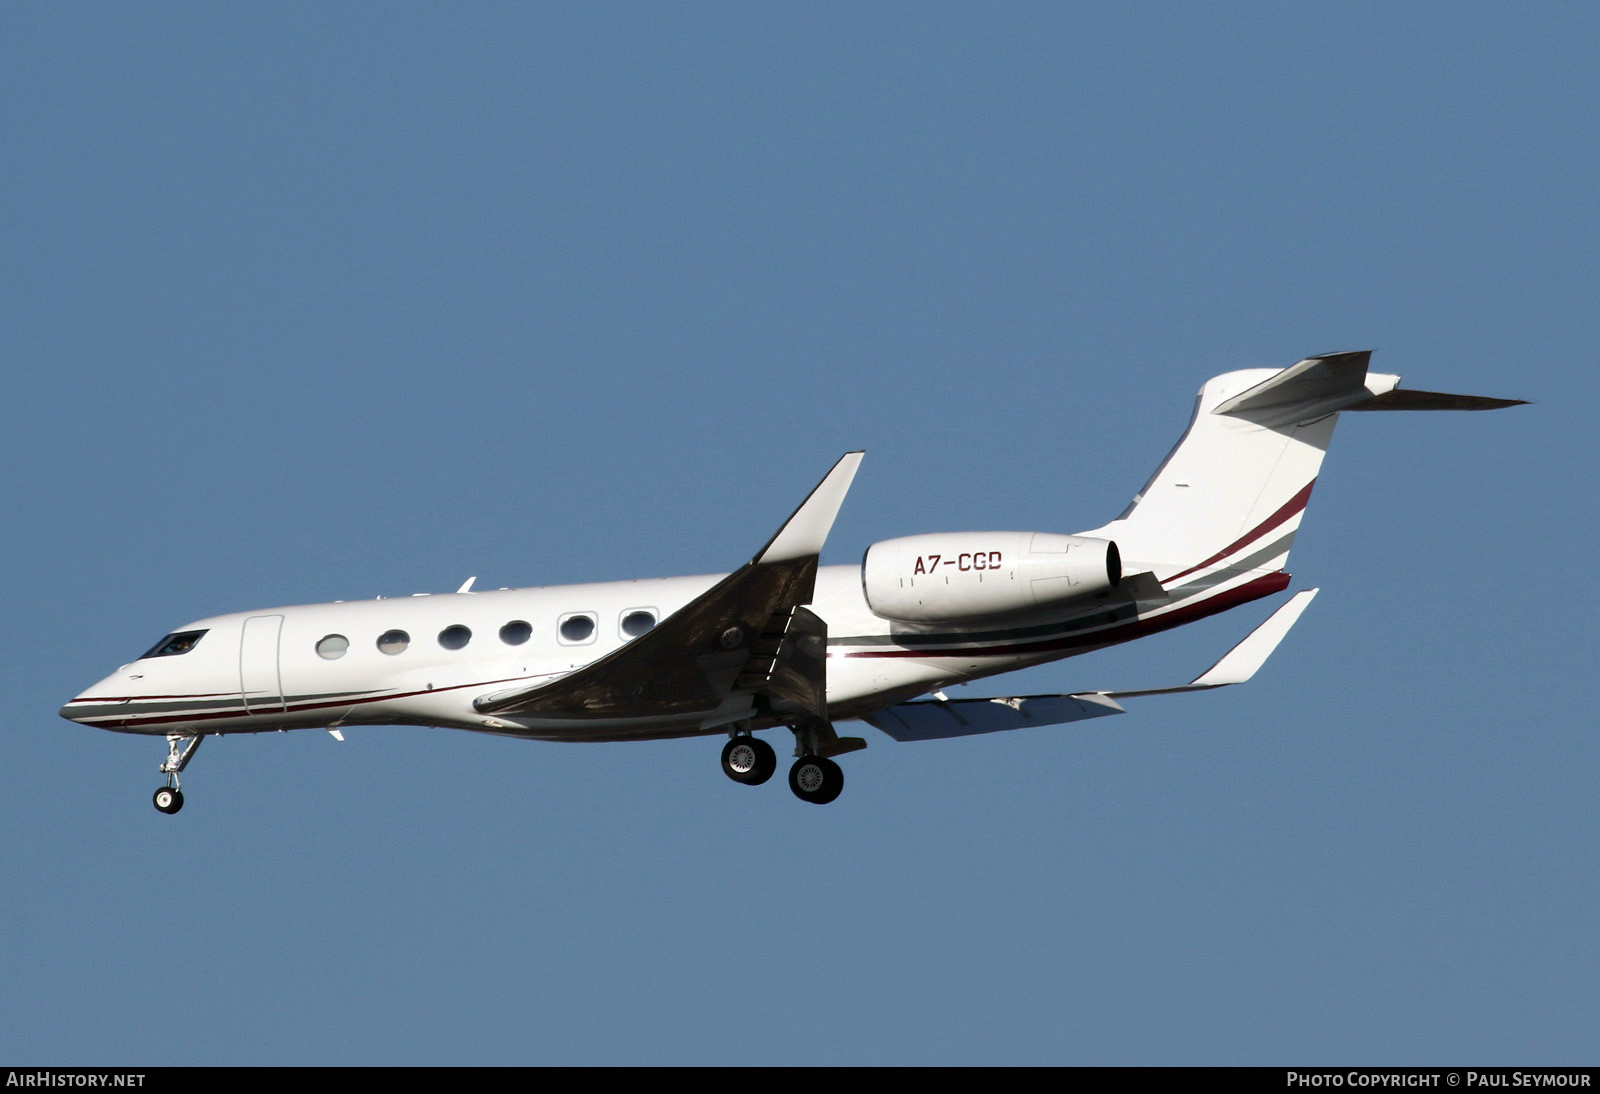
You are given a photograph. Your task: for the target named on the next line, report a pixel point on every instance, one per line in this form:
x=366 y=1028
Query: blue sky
x=305 y=303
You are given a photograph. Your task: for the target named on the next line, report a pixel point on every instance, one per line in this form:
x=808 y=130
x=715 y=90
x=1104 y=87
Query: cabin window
x=577 y=628
x=454 y=637
x=332 y=647
x=393 y=642
x=637 y=622
x=174 y=644
x=516 y=632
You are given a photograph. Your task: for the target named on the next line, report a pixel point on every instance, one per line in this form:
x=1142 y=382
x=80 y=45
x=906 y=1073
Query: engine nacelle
x=948 y=577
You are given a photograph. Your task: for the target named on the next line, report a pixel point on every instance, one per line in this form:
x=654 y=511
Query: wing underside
x=937 y=719
x=746 y=645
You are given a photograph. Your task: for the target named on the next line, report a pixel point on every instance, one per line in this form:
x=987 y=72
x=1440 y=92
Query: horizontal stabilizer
x=1312 y=389
x=1400 y=399
x=1314 y=386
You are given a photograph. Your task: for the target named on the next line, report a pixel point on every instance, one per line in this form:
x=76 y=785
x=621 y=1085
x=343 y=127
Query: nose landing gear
x=180 y=750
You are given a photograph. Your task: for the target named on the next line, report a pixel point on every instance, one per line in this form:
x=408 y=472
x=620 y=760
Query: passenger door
x=259 y=681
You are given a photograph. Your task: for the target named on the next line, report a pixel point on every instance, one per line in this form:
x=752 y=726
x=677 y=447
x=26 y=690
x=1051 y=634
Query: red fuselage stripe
x=146 y=698
x=1289 y=509
x=266 y=707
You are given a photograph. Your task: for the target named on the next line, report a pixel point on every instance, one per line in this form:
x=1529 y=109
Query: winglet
x=804 y=533
x=1241 y=662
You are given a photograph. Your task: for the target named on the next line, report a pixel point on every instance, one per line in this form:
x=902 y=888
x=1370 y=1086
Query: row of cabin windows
x=576 y=629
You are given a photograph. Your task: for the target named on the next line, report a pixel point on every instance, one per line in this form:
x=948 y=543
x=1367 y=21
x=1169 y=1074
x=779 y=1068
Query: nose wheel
x=169 y=799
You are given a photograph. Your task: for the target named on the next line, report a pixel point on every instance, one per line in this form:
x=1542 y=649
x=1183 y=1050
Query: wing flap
x=797 y=679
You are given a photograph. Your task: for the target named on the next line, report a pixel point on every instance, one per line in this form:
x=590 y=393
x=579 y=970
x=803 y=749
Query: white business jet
x=782 y=642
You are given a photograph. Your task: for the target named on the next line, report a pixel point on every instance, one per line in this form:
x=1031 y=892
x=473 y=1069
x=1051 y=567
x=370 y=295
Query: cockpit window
x=174 y=644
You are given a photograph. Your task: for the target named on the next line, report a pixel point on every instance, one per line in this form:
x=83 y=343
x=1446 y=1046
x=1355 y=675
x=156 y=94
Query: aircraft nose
x=90 y=701
x=82 y=706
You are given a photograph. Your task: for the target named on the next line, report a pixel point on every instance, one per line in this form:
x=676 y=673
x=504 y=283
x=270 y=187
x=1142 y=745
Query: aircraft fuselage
x=421 y=660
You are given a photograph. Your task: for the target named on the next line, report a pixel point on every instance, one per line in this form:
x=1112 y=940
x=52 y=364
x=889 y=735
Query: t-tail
x=1220 y=513
x=1210 y=530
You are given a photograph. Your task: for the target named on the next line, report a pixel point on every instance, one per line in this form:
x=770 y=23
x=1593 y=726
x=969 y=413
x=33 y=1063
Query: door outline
x=259 y=674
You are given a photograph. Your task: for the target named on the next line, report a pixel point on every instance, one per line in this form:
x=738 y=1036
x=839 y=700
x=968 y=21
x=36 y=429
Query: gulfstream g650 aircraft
x=782 y=642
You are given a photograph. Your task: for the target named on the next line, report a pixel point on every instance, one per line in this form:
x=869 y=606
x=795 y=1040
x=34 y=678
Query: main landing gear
x=748 y=759
x=180 y=750
x=814 y=778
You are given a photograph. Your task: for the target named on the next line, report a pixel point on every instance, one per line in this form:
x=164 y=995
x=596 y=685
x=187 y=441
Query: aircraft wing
x=931 y=720
x=749 y=634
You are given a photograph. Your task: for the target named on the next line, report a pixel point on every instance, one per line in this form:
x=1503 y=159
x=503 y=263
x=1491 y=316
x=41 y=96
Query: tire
x=168 y=799
x=816 y=779
x=766 y=762
x=748 y=760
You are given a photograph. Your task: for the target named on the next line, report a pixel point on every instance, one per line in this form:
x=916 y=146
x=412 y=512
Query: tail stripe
x=1277 y=549
x=1291 y=508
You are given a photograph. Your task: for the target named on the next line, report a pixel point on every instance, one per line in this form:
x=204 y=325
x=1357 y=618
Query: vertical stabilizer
x=1229 y=497
x=1224 y=506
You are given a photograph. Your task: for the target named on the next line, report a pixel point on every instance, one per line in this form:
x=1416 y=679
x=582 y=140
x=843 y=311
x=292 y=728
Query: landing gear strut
x=180 y=750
